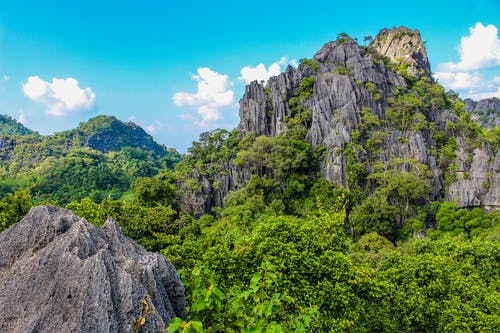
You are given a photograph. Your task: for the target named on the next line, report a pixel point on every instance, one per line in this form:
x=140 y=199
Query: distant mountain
x=99 y=158
x=107 y=133
x=101 y=133
x=10 y=126
x=486 y=112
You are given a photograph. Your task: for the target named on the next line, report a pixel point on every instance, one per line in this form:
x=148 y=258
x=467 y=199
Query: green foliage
x=157 y=190
x=10 y=127
x=342 y=38
x=98 y=159
x=492 y=137
x=372 y=88
x=278 y=272
x=305 y=88
x=401 y=34
x=343 y=70
x=399 y=197
x=212 y=147
x=13 y=208
x=439 y=286
x=83 y=172
x=356 y=171
x=375 y=214
x=473 y=222
x=310 y=63
x=367 y=39
x=149 y=226
x=402 y=109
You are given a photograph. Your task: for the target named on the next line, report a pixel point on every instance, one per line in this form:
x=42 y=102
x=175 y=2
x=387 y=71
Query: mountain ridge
x=10 y=126
x=367 y=111
x=99 y=158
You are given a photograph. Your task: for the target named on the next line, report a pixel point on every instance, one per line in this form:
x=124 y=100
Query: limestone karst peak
x=403 y=46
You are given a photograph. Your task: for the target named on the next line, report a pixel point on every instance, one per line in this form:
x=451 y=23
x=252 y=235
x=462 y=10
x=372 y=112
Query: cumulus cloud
x=481 y=49
x=478 y=51
x=260 y=72
x=214 y=93
x=459 y=80
x=61 y=96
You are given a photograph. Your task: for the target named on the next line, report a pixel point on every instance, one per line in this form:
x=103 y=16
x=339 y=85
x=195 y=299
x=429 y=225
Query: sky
x=180 y=68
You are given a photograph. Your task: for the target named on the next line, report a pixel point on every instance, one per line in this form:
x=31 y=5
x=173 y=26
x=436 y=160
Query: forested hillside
x=98 y=159
x=9 y=126
x=356 y=195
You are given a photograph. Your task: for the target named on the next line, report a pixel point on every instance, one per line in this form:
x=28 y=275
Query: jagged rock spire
x=403 y=45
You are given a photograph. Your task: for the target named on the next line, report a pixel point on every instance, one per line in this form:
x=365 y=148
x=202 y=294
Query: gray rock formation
x=477 y=181
x=486 y=112
x=349 y=81
x=58 y=273
x=403 y=45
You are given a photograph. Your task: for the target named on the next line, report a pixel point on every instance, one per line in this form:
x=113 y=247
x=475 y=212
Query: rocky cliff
x=348 y=80
x=379 y=102
x=403 y=47
x=486 y=112
x=58 y=273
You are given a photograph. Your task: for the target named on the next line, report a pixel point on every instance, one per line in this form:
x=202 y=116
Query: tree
x=13 y=208
x=157 y=190
x=367 y=39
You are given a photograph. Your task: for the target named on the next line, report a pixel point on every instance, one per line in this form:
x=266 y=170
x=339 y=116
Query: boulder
x=58 y=273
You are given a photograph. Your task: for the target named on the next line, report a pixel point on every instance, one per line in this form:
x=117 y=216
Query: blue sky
x=176 y=67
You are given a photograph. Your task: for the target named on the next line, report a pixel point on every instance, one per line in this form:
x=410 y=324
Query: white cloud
x=213 y=95
x=459 y=80
x=470 y=85
x=481 y=49
x=6 y=77
x=260 y=72
x=478 y=51
x=61 y=96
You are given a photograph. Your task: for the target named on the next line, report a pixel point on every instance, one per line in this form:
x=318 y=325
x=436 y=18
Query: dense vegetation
x=292 y=252
x=289 y=251
x=9 y=126
x=100 y=158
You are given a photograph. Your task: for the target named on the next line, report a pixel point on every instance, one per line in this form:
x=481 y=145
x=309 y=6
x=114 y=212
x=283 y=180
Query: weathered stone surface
x=340 y=93
x=486 y=112
x=58 y=273
x=403 y=45
x=350 y=80
x=478 y=179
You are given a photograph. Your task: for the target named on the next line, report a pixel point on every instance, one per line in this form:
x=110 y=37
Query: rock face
x=58 y=273
x=348 y=80
x=486 y=112
x=477 y=181
x=348 y=84
x=403 y=45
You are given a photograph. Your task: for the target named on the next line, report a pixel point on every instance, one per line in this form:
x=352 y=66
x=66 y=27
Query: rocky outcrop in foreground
x=58 y=273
